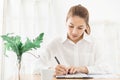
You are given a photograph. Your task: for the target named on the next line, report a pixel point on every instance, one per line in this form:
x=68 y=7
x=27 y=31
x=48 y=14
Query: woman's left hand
x=73 y=70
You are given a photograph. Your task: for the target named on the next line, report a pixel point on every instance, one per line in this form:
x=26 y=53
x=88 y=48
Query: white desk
x=37 y=77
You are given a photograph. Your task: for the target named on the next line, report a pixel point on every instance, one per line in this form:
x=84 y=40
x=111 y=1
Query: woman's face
x=76 y=28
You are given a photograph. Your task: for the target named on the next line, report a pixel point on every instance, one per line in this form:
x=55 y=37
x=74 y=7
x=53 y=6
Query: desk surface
x=37 y=77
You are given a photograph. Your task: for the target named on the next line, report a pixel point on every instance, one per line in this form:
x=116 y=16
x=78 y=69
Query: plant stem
x=19 y=66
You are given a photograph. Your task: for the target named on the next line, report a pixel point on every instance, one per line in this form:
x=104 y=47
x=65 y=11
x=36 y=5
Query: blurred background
x=28 y=18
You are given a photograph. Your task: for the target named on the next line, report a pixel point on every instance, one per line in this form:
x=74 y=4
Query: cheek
x=69 y=30
x=81 y=31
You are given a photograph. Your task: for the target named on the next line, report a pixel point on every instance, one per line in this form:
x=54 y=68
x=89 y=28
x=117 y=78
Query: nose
x=74 y=31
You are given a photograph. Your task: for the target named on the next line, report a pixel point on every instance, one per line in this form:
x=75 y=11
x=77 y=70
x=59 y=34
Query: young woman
x=76 y=52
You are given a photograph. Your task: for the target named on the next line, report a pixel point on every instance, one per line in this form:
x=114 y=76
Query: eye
x=70 y=26
x=80 y=28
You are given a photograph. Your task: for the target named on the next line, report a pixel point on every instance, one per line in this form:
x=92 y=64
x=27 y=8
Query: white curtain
x=28 y=18
x=1 y=44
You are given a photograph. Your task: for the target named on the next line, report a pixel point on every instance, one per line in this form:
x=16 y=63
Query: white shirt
x=84 y=53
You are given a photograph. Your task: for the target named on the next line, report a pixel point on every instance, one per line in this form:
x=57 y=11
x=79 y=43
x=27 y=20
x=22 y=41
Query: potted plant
x=15 y=44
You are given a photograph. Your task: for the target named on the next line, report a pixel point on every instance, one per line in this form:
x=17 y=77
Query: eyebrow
x=71 y=23
x=78 y=26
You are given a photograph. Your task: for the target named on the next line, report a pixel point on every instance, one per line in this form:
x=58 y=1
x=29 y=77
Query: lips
x=74 y=36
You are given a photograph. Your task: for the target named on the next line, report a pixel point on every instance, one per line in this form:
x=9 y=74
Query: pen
x=57 y=60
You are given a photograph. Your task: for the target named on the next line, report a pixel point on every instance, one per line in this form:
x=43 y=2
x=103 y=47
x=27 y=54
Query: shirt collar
x=85 y=37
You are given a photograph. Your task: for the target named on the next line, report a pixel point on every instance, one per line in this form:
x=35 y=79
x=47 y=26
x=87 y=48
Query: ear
x=88 y=30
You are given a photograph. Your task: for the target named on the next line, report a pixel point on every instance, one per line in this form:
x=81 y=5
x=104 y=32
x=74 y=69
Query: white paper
x=78 y=75
x=104 y=76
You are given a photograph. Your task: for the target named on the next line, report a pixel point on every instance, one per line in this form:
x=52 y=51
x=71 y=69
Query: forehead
x=76 y=20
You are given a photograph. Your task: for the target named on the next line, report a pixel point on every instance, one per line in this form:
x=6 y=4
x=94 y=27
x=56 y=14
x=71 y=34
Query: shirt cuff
x=90 y=70
x=99 y=69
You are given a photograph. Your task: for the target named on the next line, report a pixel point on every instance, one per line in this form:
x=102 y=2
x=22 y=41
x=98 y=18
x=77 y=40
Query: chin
x=74 y=39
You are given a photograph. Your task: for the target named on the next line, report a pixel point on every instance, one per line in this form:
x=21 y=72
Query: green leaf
x=29 y=45
x=11 y=43
x=38 y=40
x=14 y=44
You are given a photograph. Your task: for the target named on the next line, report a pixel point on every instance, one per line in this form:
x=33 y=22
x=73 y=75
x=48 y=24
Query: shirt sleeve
x=41 y=62
x=101 y=61
x=46 y=59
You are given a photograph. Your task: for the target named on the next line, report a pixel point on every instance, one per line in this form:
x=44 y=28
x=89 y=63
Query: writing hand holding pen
x=60 y=69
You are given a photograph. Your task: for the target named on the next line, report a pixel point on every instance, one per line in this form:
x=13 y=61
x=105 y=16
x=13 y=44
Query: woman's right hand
x=61 y=70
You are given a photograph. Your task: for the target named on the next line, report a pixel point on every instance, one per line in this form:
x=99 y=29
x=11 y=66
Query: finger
x=74 y=71
x=63 y=67
x=71 y=70
x=60 y=68
x=67 y=70
x=57 y=72
x=60 y=73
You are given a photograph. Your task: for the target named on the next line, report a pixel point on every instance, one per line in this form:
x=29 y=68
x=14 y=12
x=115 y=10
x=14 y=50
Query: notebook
x=74 y=76
x=85 y=76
